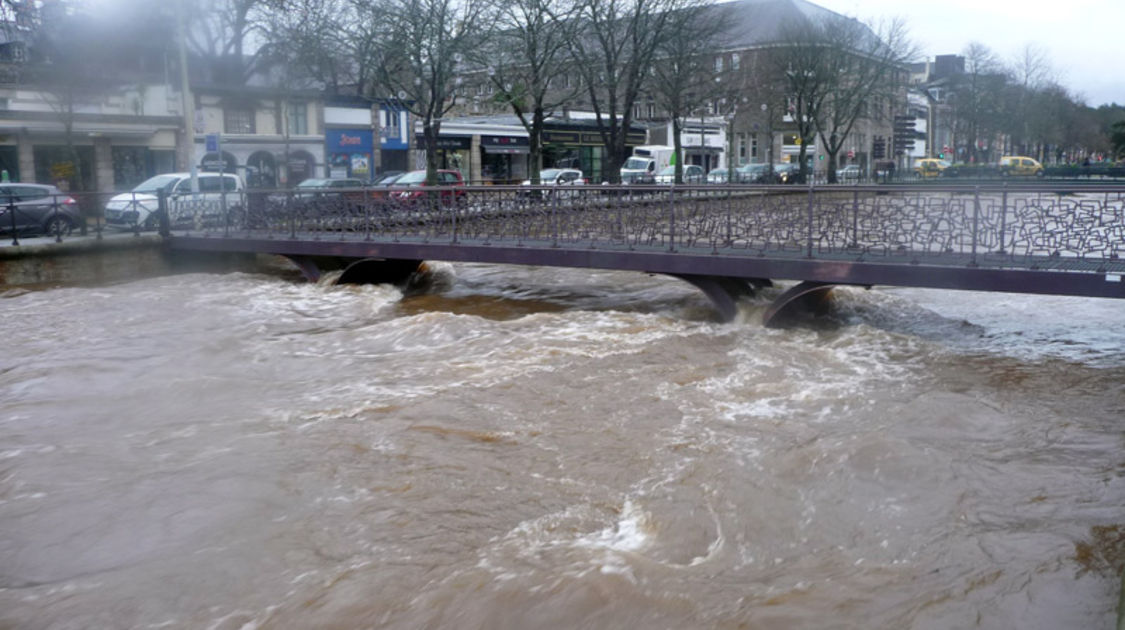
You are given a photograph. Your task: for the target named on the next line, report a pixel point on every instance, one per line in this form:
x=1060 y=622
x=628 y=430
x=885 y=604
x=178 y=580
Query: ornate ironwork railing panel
x=1009 y=227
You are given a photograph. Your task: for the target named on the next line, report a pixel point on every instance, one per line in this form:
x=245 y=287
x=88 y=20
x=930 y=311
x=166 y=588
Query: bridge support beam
x=724 y=291
x=800 y=301
x=357 y=270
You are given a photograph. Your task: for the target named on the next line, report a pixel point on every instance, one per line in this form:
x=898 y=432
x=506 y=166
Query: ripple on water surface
x=533 y=448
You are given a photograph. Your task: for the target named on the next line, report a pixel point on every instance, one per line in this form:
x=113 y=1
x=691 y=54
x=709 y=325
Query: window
x=298 y=119
x=735 y=61
x=209 y=184
x=238 y=120
x=754 y=146
x=718 y=64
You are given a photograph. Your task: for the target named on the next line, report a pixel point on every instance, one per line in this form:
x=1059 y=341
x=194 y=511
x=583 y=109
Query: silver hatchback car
x=27 y=209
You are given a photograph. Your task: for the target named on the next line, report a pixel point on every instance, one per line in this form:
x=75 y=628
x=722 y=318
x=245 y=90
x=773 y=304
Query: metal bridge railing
x=1006 y=224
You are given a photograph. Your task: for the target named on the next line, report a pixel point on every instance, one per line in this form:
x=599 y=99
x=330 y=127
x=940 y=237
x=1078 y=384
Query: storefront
x=265 y=162
x=394 y=137
x=504 y=159
x=350 y=153
x=579 y=147
x=454 y=152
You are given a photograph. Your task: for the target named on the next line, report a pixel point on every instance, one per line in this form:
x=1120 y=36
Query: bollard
x=12 y=216
x=162 y=210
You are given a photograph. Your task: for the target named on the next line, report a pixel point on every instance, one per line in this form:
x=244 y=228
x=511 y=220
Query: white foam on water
x=630 y=533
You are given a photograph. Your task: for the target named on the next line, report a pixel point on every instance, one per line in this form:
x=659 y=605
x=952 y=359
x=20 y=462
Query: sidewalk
x=48 y=245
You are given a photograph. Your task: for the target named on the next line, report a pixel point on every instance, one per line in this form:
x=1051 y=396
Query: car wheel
x=58 y=225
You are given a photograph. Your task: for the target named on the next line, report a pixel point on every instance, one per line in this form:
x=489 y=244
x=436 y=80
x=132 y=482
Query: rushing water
x=532 y=448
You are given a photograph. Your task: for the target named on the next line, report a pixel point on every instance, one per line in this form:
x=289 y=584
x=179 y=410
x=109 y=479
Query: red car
x=411 y=186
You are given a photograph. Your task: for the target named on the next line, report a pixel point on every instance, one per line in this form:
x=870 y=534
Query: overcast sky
x=1084 y=38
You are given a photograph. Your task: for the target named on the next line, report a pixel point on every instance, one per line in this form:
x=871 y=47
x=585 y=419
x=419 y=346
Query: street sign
x=211 y=142
x=851 y=154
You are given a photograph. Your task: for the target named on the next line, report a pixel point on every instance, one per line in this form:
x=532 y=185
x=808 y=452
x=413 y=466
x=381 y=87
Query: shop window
x=69 y=171
x=129 y=166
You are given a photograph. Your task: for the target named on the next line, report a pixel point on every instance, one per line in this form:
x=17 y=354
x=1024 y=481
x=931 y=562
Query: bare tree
x=527 y=62
x=1030 y=73
x=421 y=54
x=222 y=31
x=306 y=37
x=866 y=67
x=684 y=72
x=838 y=71
x=977 y=100
x=76 y=62
x=804 y=60
x=615 y=51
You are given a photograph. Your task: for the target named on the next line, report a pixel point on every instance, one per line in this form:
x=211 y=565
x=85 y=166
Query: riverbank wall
x=92 y=260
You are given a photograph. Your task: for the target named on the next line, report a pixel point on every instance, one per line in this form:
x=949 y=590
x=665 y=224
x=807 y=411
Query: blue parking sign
x=212 y=142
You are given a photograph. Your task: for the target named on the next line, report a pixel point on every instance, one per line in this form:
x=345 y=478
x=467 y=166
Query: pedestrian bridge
x=729 y=241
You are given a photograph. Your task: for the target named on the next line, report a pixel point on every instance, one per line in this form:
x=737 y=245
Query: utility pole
x=187 y=148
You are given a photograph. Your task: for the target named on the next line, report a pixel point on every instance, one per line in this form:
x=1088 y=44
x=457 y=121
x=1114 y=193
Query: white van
x=221 y=197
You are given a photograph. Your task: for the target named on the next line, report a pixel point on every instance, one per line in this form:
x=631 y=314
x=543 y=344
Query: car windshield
x=549 y=174
x=413 y=177
x=668 y=170
x=314 y=183
x=636 y=163
x=156 y=184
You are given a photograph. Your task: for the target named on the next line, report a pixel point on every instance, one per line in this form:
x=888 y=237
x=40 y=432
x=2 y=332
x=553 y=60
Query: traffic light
x=941 y=156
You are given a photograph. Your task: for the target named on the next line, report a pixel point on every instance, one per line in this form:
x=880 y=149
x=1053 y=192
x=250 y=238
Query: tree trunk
x=535 y=146
x=430 y=131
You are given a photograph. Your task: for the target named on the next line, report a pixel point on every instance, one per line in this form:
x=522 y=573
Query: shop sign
x=447 y=143
x=349 y=140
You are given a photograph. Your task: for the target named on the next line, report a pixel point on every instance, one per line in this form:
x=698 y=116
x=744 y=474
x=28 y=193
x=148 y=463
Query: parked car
x=755 y=173
x=693 y=174
x=219 y=199
x=930 y=167
x=27 y=209
x=786 y=173
x=1020 y=165
x=321 y=188
x=851 y=171
x=410 y=186
x=563 y=179
x=386 y=177
x=718 y=176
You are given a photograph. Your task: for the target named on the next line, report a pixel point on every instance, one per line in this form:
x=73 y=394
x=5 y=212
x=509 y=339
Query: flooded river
x=530 y=448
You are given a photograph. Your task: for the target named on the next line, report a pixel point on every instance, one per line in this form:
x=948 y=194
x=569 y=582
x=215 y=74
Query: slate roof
x=758 y=23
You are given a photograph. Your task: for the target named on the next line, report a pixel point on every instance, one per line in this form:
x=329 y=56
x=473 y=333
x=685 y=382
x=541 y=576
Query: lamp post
x=768 y=111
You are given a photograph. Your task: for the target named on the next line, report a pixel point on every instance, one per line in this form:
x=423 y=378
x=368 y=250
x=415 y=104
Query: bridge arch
x=356 y=270
x=725 y=291
x=799 y=301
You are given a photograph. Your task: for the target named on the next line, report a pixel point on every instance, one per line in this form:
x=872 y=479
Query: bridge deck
x=1005 y=240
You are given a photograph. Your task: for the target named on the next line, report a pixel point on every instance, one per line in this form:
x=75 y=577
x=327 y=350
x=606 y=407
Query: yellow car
x=1020 y=165
x=929 y=167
